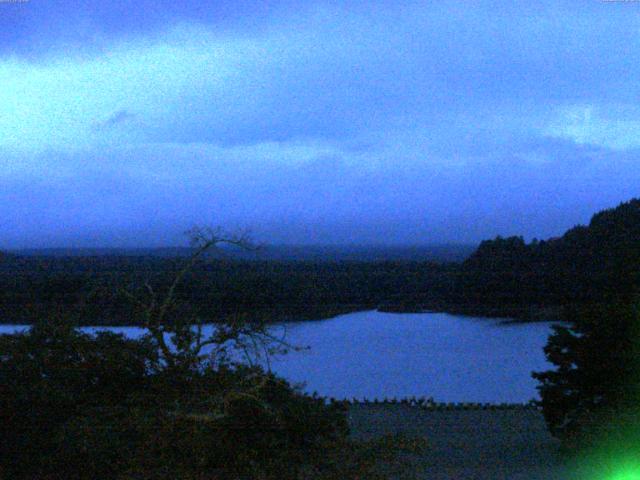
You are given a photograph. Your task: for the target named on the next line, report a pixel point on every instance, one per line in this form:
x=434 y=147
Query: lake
x=371 y=354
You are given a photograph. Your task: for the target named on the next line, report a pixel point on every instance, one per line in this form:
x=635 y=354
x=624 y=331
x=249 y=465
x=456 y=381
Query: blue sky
x=124 y=123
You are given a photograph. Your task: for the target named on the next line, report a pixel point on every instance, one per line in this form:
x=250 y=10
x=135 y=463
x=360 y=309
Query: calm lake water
x=372 y=354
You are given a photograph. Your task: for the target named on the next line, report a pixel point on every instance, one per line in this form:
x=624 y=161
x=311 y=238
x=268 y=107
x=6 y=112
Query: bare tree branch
x=188 y=340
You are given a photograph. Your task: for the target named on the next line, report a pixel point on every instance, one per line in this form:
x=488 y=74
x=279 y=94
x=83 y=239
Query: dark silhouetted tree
x=593 y=394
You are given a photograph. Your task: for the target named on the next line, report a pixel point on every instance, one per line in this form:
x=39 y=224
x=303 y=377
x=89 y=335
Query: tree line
x=596 y=263
x=90 y=288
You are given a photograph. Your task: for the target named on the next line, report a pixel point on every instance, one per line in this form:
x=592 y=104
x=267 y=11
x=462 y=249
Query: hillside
x=593 y=263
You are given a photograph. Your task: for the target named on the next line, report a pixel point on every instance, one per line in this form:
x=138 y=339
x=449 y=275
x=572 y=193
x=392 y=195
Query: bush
x=51 y=376
x=76 y=406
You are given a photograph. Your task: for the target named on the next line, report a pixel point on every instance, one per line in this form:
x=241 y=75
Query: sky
x=125 y=122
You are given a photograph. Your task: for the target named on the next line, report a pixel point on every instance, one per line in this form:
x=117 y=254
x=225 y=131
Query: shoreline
x=509 y=314
x=511 y=444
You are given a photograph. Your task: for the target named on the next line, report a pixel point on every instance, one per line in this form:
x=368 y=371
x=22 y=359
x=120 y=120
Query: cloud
x=322 y=71
x=326 y=122
x=329 y=198
x=119 y=117
x=612 y=126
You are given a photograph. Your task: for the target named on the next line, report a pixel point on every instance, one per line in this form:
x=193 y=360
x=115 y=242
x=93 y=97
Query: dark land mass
x=445 y=253
x=91 y=288
x=594 y=264
x=504 y=277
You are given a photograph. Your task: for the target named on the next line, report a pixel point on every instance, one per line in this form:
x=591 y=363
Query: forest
x=91 y=288
x=594 y=264
x=504 y=277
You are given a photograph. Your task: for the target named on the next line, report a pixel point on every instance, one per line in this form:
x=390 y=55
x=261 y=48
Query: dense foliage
x=593 y=394
x=91 y=287
x=75 y=406
x=598 y=263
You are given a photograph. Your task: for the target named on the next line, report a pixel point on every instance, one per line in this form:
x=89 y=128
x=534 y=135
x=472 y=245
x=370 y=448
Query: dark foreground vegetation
x=75 y=406
x=79 y=407
x=591 y=399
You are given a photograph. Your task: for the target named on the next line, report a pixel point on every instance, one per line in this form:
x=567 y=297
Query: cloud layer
x=337 y=122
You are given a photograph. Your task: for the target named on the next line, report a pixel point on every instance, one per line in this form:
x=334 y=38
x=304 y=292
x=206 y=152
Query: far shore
x=508 y=314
